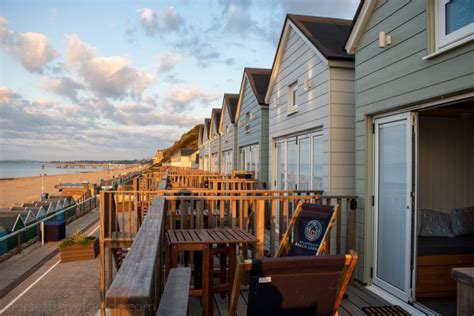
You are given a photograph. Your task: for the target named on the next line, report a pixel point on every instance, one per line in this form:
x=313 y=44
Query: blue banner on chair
x=310 y=229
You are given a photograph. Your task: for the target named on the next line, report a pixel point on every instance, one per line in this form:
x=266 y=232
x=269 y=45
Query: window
x=454 y=22
x=293 y=97
x=249 y=158
x=227 y=133
x=299 y=162
x=247 y=122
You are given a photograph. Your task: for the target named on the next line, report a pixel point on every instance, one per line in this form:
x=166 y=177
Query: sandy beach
x=17 y=191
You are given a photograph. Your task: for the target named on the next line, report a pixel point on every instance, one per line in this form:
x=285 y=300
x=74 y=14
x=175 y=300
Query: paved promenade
x=36 y=283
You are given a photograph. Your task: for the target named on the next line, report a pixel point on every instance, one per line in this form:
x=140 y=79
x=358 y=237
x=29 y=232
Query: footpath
x=19 y=267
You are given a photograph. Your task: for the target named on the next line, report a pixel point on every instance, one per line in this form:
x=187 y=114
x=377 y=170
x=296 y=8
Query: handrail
x=137 y=285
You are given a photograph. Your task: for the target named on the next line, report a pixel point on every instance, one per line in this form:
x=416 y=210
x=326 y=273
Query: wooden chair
x=311 y=226
x=306 y=285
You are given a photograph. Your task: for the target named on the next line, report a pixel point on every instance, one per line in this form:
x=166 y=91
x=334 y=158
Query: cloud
x=7 y=95
x=168 y=61
x=65 y=86
x=168 y=21
x=113 y=77
x=183 y=98
x=31 y=49
x=203 y=52
x=46 y=103
x=92 y=129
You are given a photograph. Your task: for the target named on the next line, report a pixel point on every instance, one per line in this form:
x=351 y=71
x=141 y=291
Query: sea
x=23 y=169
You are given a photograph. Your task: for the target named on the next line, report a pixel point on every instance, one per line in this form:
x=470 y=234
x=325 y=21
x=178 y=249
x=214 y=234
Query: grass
x=77 y=239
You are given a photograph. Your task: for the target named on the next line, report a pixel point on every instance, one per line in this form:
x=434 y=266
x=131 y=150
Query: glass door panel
x=292 y=167
x=318 y=162
x=393 y=185
x=304 y=182
x=281 y=161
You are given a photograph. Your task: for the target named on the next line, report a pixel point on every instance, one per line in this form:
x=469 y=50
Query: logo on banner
x=313 y=230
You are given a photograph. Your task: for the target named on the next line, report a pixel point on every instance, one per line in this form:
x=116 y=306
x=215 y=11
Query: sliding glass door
x=299 y=162
x=393 y=204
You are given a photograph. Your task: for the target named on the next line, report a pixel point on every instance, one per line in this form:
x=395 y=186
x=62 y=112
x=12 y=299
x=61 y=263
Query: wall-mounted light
x=384 y=39
x=307 y=84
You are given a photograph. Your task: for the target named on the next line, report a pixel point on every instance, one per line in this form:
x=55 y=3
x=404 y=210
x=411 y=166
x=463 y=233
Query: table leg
x=206 y=283
x=223 y=266
x=198 y=270
x=232 y=268
x=174 y=256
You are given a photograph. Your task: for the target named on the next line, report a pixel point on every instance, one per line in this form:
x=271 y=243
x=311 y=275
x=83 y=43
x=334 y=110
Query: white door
x=393 y=209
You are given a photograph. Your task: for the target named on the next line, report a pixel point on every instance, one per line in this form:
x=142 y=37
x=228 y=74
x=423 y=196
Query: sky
x=120 y=79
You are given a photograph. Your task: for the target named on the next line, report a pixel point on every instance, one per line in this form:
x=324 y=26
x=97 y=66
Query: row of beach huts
x=380 y=107
x=15 y=218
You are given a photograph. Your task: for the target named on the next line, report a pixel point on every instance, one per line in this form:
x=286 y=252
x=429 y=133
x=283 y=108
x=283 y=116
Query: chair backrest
x=311 y=229
x=310 y=225
x=312 y=285
x=297 y=285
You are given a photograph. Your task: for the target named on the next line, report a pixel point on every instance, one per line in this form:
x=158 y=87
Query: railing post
x=260 y=228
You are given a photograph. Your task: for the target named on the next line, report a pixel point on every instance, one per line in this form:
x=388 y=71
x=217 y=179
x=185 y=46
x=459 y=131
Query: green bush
x=78 y=239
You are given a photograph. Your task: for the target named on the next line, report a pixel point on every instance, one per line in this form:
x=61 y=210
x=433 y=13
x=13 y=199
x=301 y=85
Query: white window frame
x=247 y=122
x=292 y=103
x=456 y=38
x=284 y=140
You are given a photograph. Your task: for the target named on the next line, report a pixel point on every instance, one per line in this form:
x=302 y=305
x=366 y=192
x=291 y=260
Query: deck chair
x=311 y=226
x=313 y=285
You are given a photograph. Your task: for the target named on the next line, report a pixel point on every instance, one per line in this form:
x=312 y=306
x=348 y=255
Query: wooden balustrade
x=265 y=213
x=140 y=216
x=137 y=288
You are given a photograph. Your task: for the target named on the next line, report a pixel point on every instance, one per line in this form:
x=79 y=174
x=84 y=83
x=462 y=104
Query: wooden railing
x=265 y=213
x=137 y=288
x=141 y=217
x=119 y=228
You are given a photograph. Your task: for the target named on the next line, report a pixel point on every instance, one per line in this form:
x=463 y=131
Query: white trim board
x=359 y=25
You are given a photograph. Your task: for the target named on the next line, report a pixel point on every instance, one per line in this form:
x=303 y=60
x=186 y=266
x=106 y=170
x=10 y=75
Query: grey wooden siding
x=227 y=141
x=215 y=138
x=300 y=62
x=391 y=77
x=258 y=133
x=249 y=104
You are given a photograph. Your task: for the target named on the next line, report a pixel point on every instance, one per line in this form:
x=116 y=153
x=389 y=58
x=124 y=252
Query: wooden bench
x=174 y=301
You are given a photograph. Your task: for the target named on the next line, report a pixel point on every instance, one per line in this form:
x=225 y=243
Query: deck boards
x=356 y=298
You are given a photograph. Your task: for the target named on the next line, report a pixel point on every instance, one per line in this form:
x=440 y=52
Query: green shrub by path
x=77 y=239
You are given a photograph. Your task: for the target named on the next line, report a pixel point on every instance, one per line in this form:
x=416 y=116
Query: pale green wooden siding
x=395 y=76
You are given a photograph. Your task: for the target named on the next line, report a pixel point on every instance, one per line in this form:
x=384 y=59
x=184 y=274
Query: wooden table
x=203 y=240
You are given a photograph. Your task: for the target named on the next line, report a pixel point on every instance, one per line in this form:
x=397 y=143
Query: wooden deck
x=356 y=298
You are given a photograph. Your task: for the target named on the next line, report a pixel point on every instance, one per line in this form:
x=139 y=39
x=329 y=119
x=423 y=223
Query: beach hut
x=3 y=244
x=252 y=118
x=311 y=107
x=215 y=141
x=205 y=147
x=39 y=212
x=11 y=222
x=28 y=218
x=200 y=146
x=414 y=116
x=228 y=132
